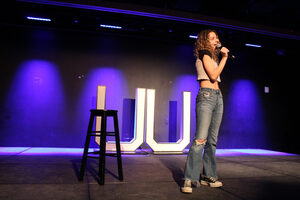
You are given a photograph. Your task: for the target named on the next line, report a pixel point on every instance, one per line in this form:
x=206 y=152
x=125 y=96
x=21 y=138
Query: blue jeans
x=209 y=111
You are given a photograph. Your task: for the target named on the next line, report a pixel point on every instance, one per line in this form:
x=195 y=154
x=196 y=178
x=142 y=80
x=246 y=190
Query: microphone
x=219 y=47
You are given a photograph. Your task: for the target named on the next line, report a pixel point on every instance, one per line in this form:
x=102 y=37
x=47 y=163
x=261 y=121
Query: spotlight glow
x=244 y=118
x=116 y=89
x=138 y=125
x=37 y=92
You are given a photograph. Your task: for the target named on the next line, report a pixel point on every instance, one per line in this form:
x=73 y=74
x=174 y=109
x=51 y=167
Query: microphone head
x=219 y=45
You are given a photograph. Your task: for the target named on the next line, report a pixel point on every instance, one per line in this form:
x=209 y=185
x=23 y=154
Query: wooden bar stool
x=102 y=134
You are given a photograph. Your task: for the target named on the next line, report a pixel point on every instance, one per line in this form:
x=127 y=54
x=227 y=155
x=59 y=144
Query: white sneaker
x=211 y=182
x=187 y=187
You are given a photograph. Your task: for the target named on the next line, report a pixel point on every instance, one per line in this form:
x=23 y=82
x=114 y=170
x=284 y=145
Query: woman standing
x=209 y=111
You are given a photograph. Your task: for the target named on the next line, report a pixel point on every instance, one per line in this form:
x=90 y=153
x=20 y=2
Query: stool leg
x=86 y=147
x=102 y=149
x=118 y=148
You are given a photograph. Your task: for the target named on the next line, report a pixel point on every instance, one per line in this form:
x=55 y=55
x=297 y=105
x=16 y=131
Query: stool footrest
x=95 y=131
x=107 y=133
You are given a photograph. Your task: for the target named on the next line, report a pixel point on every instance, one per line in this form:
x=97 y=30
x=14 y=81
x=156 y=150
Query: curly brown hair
x=202 y=43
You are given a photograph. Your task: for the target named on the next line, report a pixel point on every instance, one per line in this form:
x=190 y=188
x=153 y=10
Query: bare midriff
x=209 y=84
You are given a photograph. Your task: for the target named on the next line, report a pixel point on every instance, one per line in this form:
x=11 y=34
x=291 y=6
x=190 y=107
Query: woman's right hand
x=224 y=51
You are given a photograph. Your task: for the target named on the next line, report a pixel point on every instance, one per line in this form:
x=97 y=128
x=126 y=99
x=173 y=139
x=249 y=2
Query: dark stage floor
x=54 y=176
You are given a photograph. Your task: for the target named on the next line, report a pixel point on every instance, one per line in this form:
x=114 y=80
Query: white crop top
x=201 y=73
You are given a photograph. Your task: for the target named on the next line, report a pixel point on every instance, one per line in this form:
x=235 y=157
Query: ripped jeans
x=209 y=111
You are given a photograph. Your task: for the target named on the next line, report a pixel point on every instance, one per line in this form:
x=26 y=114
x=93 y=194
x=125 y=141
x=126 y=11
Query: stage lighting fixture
x=110 y=26
x=266 y=89
x=252 y=45
x=39 y=19
x=193 y=36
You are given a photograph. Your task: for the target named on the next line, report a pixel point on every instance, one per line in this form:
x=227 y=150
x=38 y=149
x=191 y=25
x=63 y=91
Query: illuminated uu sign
x=145 y=106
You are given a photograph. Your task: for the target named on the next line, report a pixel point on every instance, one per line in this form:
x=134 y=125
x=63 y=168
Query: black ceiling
x=254 y=21
x=277 y=13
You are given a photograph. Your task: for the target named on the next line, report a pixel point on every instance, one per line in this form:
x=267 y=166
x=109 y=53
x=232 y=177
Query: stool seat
x=100 y=112
x=102 y=134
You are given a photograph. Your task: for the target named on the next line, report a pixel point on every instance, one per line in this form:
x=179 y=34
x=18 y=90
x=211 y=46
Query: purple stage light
x=245 y=152
x=184 y=83
x=116 y=87
x=53 y=151
x=40 y=151
x=36 y=103
x=262 y=152
x=116 y=92
x=12 y=150
x=244 y=122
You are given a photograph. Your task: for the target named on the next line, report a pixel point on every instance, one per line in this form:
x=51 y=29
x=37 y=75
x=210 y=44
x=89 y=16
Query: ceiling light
x=193 y=36
x=110 y=26
x=253 y=45
x=39 y=19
